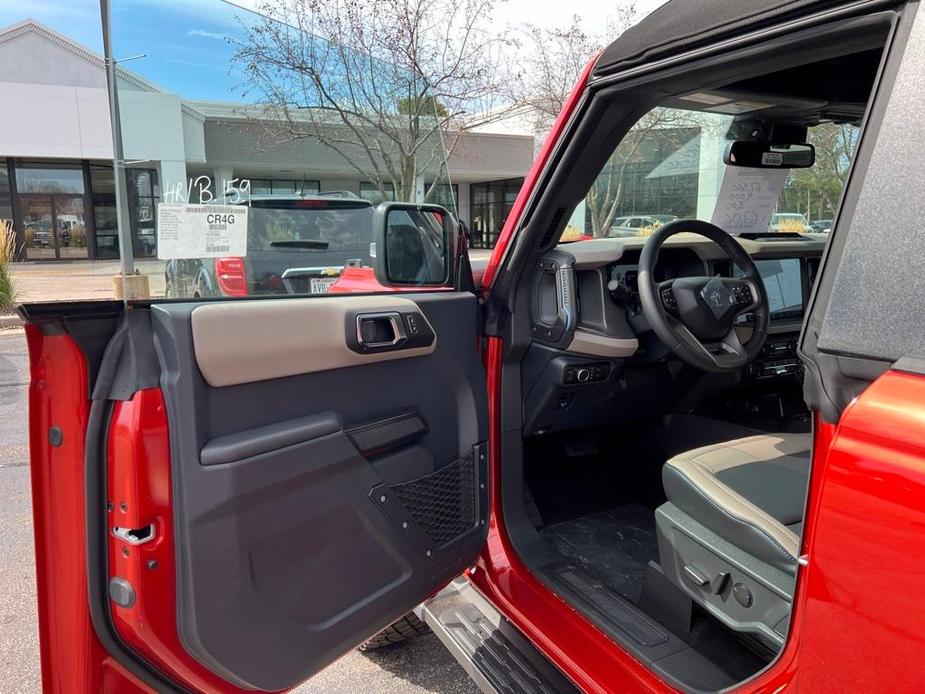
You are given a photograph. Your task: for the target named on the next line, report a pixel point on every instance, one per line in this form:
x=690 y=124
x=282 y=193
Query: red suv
x=688 y=460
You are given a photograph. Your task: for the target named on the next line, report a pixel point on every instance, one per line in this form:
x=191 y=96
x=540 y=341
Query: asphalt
x=419 y=665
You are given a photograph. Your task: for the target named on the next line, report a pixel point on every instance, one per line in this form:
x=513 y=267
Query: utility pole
x=125 y=284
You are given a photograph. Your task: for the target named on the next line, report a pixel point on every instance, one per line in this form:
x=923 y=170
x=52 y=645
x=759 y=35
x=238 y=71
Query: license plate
x=321 y=285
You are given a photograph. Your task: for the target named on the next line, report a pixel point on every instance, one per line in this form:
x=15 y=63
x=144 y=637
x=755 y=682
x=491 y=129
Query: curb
x=10 y=321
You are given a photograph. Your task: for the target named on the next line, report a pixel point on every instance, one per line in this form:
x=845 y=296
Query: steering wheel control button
x=743 y=294
x=669 y=301
x=742 y=595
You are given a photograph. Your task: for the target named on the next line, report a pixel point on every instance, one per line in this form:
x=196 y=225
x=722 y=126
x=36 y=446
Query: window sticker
x=201 y=231
x=747 y=198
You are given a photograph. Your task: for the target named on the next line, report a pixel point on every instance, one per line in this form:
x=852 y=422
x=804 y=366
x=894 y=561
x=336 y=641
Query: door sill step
x=497 y=657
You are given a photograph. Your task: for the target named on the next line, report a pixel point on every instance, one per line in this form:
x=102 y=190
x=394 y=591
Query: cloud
x=206 y=34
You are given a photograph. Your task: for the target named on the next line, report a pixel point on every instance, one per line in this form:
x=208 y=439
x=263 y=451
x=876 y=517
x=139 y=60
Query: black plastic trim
x=255 y=442
x=380 y=436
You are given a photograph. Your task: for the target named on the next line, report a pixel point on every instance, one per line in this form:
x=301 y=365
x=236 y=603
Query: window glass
x=6 y=198
x=670 y=165
x=290 y=102
x=36 y=178
x=103 y=188
x=443 y=194
x=375 y=194
x=142 y=199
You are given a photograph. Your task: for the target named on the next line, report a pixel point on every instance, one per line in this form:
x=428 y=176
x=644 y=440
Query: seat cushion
x=750 y=491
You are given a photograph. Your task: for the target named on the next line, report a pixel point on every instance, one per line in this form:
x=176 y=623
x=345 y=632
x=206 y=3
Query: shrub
x=7 y=253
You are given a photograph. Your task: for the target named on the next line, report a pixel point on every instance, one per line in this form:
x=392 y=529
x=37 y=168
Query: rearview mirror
x=414 y=244
x=768 y=155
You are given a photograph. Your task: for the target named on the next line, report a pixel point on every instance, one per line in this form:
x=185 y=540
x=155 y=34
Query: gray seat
x=751 y=492
x=729 y=534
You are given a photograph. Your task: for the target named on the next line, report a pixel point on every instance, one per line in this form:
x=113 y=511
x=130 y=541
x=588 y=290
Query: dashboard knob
x=583 y=375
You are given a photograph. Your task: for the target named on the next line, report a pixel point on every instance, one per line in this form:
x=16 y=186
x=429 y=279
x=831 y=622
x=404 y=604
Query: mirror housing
x=415 y=245
x=770 y=155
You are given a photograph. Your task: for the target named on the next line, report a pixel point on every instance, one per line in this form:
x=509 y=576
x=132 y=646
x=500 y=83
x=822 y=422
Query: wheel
x=405 y=628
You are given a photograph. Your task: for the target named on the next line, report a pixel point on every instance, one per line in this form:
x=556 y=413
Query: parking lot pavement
x=420 y=665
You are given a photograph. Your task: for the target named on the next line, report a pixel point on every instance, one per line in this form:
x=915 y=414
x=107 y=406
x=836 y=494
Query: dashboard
x=589 y=333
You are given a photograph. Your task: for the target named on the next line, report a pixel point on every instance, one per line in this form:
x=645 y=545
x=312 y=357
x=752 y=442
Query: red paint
x=857 y=610
x=552 y=140
x=138 y=484
x=864 y=611
x=73 y=660
x=569 y=640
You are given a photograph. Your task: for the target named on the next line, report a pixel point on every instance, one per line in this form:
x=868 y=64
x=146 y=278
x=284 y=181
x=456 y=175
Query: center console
x=778 y=359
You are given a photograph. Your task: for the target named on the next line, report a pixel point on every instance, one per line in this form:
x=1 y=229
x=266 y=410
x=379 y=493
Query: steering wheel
x=695 y=316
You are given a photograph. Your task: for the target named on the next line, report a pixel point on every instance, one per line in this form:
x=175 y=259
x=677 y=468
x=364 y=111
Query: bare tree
x=658 y=131
x=387 y=84
x=816 y=190
x=551 y=59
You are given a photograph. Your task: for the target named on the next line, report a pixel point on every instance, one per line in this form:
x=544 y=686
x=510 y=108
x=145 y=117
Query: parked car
x=295 y=245
x=633 y=225
x=792 y=222
x=653 y=464
x=820 y=226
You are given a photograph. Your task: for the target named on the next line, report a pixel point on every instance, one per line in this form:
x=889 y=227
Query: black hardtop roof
x=681 y=25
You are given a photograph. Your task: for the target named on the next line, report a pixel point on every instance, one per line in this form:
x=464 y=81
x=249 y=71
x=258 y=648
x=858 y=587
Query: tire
x=405 y=628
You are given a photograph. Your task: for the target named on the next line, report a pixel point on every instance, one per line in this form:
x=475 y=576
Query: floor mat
x=613 y=546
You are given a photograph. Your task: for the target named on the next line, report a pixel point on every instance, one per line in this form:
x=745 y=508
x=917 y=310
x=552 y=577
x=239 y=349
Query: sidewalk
x=78 y=280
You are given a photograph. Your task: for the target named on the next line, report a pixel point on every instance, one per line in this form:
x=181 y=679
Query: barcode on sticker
x=217 y=249
x=218 y=227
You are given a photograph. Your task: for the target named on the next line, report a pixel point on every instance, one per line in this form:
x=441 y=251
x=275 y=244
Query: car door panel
x=319 y=496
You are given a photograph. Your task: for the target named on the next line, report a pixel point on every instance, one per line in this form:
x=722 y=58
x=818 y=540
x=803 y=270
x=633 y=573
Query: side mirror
x=767 y=155
x=414 y=245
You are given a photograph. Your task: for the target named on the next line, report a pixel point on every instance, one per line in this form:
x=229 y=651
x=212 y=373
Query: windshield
x=670 y=166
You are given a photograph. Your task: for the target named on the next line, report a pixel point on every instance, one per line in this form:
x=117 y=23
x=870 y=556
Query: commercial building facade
x=56 y=177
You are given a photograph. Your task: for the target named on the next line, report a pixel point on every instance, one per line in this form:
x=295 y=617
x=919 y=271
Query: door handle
x=380 y=330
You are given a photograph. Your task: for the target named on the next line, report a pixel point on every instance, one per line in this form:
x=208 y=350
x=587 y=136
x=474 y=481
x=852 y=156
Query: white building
x=56 y=176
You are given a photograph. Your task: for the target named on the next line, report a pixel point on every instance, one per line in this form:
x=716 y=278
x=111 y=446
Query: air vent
x=551 y=229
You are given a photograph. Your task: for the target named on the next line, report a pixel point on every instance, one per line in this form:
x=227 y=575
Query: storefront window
x=6 y=199
x=54 y=222
x=491 y=204
x=444 y=194
x=267 y=186
x=35 y=178
x=143 y=194
x=103 y=197
x=371 y=192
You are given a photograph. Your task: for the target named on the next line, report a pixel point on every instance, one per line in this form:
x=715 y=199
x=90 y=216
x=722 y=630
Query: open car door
x=267 y=483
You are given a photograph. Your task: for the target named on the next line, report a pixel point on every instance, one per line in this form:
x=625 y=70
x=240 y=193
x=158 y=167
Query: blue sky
x=185 y=41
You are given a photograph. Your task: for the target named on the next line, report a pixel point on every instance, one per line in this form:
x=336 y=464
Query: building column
x=173 y=182
x=463 y=208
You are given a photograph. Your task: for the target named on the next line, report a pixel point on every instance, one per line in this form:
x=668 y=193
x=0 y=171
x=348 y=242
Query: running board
x=498 y=658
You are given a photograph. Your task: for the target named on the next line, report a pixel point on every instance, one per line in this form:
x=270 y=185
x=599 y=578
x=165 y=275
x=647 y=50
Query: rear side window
x=310 y=225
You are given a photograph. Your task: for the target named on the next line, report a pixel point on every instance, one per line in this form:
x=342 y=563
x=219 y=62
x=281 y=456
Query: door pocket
x=437 y=510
